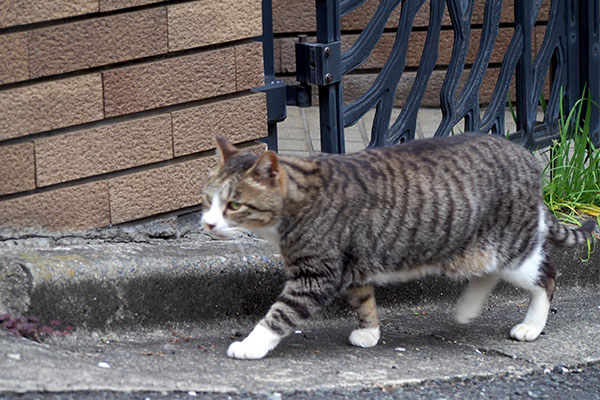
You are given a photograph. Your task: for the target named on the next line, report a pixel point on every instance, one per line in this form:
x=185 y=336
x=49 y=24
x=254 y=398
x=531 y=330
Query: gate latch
x=318 y=63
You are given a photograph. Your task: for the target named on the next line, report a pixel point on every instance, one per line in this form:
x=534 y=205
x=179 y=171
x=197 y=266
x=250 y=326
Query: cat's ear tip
x=221 y=140
x=225 y=148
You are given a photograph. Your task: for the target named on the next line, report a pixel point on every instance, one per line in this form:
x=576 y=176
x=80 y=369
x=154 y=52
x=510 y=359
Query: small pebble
x=103 y=365
x=298 y=332
x=400 y=349
x=192 y=393
x=14 y=356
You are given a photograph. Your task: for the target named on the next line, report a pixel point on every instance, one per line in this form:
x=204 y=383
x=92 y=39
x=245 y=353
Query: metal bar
x=269 y=66
x=524 y=71
x=572 y=91
x=589 y=61
x=330 y=95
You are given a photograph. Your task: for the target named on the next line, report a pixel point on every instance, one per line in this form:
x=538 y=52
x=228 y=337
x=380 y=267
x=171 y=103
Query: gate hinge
x=318 y=63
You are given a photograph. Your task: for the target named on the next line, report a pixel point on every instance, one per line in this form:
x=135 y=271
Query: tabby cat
x=467 y=206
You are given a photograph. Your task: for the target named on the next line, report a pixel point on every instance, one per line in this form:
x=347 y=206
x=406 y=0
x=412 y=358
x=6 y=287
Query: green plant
x=572 y=177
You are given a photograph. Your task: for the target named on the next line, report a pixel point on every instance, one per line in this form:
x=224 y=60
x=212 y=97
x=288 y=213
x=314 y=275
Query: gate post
x=590 y=61
x=330 y=93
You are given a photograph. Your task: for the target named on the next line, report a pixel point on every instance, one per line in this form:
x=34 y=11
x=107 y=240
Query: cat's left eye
x=234 y=205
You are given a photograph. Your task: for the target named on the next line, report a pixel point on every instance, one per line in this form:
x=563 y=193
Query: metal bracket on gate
x=279 y=94
x=276 y=100
x=318 y=63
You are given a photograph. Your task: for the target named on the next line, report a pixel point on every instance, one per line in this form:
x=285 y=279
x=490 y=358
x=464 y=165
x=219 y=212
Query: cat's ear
x=266 y=168
x=224 y=150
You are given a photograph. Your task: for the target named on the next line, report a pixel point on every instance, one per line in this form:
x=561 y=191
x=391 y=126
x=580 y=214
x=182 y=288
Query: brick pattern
x=110 y=104
x=203 y=23
x=183 y=79
x=110 y=5
x=249 y=66
x=19 y=12
x=177 y=186
x=80 y=207
x=99 y=41
x=240 y=120
x=168 y=82
x=17 y=171
x=13 y=58
x=97 y=151
x=50 y=105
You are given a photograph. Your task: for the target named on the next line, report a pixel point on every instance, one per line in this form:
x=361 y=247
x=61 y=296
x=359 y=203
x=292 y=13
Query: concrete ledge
x=100 y=285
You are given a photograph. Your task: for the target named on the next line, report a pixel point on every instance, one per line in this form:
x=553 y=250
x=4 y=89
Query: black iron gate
x=568 y=54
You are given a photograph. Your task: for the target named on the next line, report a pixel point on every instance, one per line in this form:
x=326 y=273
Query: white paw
x=246 y=351
x=366 y=337
x=465 y=313
x=525 y=332
x=258 y=343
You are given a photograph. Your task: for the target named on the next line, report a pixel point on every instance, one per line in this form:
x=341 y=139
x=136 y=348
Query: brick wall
x=109 y=108
x=291 y=19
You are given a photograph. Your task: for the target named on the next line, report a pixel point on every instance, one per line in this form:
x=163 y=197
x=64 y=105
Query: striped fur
x=467 y=206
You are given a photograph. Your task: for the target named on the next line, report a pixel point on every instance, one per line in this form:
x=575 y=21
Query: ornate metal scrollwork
x=557 y=54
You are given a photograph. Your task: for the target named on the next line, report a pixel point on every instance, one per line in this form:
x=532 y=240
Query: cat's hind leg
x=536 y=275
x=471 y=301
x=362 y=299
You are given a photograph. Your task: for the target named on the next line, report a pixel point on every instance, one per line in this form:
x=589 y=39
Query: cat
x=467 y=206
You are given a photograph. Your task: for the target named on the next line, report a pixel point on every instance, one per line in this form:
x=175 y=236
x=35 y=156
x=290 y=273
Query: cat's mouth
x=223 y=233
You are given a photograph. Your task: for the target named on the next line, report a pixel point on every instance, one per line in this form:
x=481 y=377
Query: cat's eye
x=208 y=199
x=234 y=205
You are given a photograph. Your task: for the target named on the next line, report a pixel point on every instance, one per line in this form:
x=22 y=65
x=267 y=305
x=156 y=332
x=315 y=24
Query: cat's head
x=245 y=192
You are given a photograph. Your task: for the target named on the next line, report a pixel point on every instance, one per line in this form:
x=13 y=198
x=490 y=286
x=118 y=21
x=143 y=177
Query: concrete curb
x=168 y=271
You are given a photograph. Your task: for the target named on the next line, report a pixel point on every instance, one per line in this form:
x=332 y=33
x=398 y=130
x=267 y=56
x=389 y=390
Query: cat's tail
x=565 y=235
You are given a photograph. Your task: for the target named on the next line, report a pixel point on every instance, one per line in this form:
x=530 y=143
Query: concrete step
x=170 y=271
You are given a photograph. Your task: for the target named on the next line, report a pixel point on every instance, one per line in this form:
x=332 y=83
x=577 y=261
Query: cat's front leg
x=302 y=296
x=362 y=299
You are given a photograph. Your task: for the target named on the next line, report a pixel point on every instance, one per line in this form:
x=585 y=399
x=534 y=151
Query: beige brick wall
x=289 y=21
x=109 y=108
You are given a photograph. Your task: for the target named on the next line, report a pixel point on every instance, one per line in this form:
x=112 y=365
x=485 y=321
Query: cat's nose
x=210 y=226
